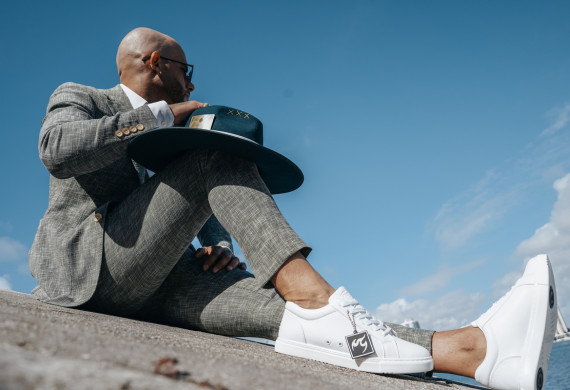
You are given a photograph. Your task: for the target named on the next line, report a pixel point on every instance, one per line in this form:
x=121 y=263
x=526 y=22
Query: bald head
x=140 y=43
x=158 y=78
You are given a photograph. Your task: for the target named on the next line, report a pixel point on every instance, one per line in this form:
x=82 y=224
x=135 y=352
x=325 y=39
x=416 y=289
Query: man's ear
x=153 y=62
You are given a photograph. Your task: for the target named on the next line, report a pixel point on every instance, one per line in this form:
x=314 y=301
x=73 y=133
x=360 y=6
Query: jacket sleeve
x=213 y=233
x=75 y=139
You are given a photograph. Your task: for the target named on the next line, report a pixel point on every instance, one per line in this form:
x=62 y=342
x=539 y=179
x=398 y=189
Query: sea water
x=558 y=371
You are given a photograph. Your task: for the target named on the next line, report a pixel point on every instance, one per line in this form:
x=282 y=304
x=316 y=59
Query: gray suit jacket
x=89 y=170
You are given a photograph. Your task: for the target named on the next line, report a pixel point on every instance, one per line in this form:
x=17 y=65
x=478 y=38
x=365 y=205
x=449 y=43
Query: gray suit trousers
x=149 y=273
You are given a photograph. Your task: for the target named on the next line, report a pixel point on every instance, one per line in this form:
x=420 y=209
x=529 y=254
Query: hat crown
x=229 y=120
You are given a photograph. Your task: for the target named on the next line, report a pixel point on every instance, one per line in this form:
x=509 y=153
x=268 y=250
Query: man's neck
x=144 y=89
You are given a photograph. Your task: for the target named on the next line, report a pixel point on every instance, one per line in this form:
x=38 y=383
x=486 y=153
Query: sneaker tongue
x=340 y=293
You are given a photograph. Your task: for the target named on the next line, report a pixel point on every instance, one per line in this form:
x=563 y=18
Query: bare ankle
x=298 y=282
x=310 y=299
x=459 y=351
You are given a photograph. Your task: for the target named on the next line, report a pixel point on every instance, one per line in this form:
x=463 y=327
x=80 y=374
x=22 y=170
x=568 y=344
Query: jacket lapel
x=119 y=102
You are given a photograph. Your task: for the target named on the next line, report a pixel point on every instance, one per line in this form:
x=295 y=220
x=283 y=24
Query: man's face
x=176 y=86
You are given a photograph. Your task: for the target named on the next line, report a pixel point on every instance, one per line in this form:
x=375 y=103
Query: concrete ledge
x=50 y=347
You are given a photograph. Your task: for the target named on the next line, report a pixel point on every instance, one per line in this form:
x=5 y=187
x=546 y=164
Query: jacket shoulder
x=77 y=95
x=78 y=88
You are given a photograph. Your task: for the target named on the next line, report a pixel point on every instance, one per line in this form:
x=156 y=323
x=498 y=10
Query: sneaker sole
x=541 y=332
x=370 y=364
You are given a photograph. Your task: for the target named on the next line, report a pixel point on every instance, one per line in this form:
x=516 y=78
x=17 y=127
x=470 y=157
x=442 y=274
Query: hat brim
x=155 y=149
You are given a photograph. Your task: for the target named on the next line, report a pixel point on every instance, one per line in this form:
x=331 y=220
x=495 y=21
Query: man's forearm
x=73 y=141
x=214 y=234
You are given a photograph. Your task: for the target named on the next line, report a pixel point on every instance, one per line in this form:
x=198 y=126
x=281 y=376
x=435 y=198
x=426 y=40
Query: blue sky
x=431 y=134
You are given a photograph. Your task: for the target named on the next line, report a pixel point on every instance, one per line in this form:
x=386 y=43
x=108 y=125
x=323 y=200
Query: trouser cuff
x=414 y=335
x=270 y=268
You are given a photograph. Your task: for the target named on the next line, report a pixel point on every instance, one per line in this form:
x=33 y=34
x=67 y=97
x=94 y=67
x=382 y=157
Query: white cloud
x=559 y=116
x=450 y=311
x=4 y=283
x=440 y=279
x=483 y=206
x=474 y=211
x=455 y=309
x=11 y=249
x=553 y=238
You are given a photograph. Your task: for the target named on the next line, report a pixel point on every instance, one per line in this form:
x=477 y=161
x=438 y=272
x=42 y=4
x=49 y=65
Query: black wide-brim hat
x=218 y=128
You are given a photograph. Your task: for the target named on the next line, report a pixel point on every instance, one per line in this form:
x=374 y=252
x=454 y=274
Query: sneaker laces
x=360 y=313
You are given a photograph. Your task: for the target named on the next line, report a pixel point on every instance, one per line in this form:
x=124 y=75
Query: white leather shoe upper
x=327 y=328
x=518 y=329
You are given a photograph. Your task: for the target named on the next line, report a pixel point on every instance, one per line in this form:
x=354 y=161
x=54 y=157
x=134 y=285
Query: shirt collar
x=134 y=98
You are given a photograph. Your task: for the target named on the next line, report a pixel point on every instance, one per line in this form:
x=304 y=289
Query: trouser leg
x=148 y=232
x=148 y=270
x=228 y=303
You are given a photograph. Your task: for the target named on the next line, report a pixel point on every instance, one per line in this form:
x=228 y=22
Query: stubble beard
x=174 y=90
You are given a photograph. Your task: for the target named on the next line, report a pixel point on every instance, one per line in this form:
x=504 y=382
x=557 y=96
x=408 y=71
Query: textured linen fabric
x=149 y=274
x=228 y=303
x=89 y=170
x=148 y=232
x=413 y=335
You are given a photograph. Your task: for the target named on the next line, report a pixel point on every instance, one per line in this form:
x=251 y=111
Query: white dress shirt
x=160 y=110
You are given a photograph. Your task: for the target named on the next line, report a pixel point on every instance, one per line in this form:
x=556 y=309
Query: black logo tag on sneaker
x=359 y=344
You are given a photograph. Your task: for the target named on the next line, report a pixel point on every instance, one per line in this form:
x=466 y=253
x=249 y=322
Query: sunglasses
x=189 y=68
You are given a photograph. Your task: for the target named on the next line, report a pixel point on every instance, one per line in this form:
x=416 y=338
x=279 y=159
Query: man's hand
x=182 y=111
x=219 y=257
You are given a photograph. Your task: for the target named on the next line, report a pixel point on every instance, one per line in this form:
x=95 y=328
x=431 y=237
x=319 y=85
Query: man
x=115 y=241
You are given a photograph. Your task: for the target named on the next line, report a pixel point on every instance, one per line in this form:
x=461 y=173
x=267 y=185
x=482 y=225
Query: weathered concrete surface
x=50 y=347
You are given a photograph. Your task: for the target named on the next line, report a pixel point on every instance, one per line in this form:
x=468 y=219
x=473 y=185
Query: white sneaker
x=519 y=329
x=320 y=334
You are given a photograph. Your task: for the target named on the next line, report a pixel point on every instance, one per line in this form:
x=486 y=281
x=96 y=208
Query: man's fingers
x=182 y=111
x=213 y=256
x=223 y=261
x=233 y=264
x=193 y=105
x=219 y=256
x=205 y=250
x=243 y=266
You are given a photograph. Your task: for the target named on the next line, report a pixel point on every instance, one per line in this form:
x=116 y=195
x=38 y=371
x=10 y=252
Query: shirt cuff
x=162 y=113
x=228 y=248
